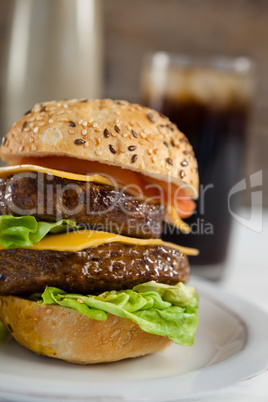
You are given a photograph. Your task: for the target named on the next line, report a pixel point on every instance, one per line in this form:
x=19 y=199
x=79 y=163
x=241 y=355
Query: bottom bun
x=66 y=334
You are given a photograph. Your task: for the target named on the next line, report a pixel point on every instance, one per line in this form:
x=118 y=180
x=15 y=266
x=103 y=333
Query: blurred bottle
x=55 y=52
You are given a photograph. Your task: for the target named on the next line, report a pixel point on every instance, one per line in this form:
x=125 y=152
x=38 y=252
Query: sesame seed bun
x=65 y=334
x=112 y=132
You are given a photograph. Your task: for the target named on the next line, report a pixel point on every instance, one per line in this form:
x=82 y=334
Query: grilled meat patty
x=111 y=266
x=98 y=206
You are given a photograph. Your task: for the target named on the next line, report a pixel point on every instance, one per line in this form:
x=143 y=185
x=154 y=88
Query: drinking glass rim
x=238 y=64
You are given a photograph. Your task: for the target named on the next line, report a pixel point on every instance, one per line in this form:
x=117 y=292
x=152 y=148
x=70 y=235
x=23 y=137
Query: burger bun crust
x=68 y=335
x=111 y=132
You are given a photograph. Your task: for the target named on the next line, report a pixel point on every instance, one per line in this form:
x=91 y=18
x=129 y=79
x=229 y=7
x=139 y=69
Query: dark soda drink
x=210 y=103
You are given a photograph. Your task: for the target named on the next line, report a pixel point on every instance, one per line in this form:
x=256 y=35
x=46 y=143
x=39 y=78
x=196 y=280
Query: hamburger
x=84 y=274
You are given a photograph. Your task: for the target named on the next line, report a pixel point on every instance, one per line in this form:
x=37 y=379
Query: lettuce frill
x=169 y=311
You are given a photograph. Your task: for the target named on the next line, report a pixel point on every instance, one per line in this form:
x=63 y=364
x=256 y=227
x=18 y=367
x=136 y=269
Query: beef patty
x=100 y=207
x=111 y=266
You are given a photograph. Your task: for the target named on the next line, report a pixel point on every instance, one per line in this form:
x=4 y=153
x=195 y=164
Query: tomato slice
x=132 y=182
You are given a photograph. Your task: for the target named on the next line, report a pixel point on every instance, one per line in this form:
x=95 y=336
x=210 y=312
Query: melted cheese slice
x=4 y=171
x=173 y=218
x=82 y=239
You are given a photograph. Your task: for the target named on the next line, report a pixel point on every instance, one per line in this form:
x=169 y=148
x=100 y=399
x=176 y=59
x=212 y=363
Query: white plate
x=231 y=345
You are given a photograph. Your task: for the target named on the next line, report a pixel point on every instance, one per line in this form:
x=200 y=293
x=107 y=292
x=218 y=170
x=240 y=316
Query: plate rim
x=257 y=331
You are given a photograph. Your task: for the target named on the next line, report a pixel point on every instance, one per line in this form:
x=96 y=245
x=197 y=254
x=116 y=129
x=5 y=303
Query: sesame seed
x=124 y=135
x=112 y=149
x=27 y=129
x=153 y=159
x=50 y=121
x=31 y=139
x=84 y=132
x=25 y=124
x=183 y=139
x=169 y=161
x=135 y=135
x=4 y=140
x=71 y=123
x=98 y=152
x=134 y=158
x=35 y=130
x=165 y=143
x=65 y=105
x=172 y=142
x=151 y=117
x=80 y=301
x=79 y=141
x=71 y=131
x=106 y=133
x=28 y=112
x=117 y=129
x=41 y=124
x=132 y=148
x=149 y=152
x=117 y=121
x=33 y=147
x=84 y=123
x=95 y=124
x=182 y=174
x=80 y=121
x=83 y=100
x=21 y=148
x=184 y=162
x=97 y=130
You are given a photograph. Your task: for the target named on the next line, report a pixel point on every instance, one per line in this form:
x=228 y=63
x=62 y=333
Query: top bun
x=112 y=132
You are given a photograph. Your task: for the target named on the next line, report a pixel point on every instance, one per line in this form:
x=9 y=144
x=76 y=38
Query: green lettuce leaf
x=24 y=231
x=164 y=310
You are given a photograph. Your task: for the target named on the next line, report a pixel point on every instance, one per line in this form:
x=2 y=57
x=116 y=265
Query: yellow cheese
x=173 y=218
x=81 y=239
x=5 y=171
